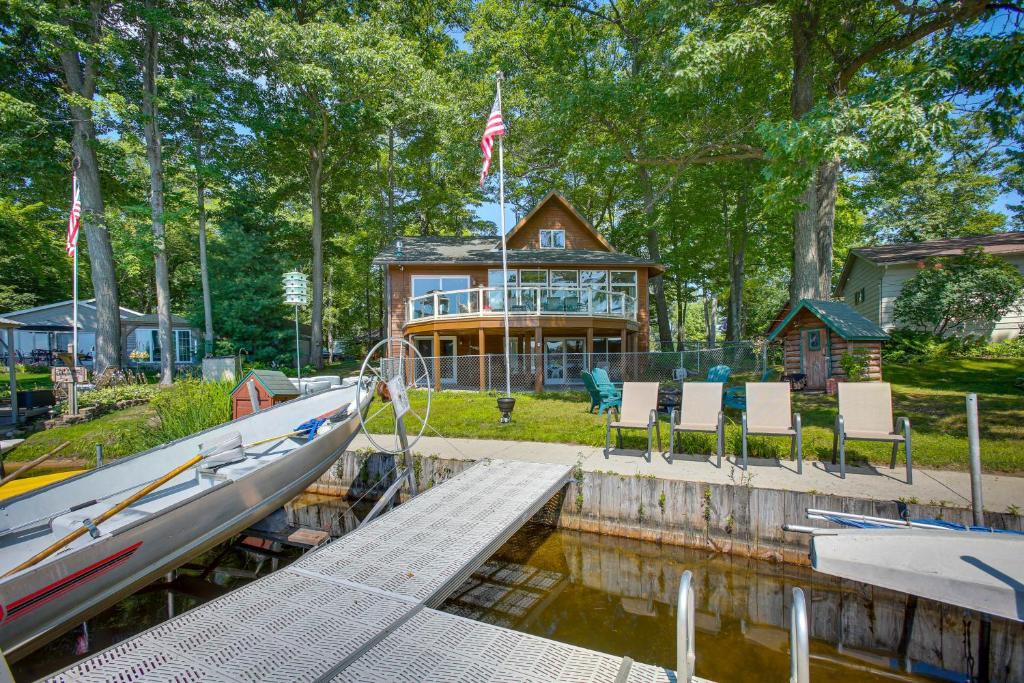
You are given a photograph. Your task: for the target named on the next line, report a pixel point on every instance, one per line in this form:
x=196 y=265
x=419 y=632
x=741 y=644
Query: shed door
x=815 y=360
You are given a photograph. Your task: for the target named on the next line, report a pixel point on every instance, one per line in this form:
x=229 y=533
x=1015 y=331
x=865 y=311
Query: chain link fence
x=562 y=370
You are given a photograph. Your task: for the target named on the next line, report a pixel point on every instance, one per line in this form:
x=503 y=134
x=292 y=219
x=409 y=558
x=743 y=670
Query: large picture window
x=552 y=239
x=533 y=278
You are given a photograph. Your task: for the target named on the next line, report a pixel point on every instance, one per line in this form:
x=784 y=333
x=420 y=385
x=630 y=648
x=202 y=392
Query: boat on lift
x=75 y=547
x=975 y=567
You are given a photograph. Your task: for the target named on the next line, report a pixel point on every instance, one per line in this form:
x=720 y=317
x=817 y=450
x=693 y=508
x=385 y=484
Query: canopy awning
x=975 y=570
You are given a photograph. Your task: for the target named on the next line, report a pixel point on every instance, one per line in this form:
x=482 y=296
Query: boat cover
x=982 y=572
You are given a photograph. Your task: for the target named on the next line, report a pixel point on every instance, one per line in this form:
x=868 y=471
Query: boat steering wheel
x=386 y=374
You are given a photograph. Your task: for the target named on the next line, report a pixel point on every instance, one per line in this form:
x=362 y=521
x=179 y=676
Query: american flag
x=495 y=126
x=74 y=218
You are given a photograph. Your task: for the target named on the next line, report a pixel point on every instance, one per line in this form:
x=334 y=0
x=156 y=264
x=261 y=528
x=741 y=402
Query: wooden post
x=483 y=347
x=538 y=377
x=437 y=359
x=623 y=358
x=590 y=350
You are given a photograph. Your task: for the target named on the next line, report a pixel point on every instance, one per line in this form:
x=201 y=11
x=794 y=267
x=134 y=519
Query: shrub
x=855 y=364
x=190 y=406
x=907 y=346
x=954 y=291
x=111 y=395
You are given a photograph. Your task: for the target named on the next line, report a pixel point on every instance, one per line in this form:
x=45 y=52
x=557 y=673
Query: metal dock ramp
x=359 y=608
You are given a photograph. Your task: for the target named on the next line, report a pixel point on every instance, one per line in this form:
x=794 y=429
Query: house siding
x=555 y=216
x=896 y=276
x=867 y=276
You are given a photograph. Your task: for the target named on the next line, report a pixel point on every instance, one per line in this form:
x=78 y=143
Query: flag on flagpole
x=74 y=218
x=495 y=126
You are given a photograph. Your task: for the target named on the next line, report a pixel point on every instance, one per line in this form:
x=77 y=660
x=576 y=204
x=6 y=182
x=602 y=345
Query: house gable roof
x=481 y=251
x=274 y=382
x=838 y=317
x=555 y=196
x=6 y=323
x=912 y=252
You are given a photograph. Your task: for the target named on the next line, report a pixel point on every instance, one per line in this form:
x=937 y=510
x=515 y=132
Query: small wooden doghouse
x=270 y=387
x=817 y=333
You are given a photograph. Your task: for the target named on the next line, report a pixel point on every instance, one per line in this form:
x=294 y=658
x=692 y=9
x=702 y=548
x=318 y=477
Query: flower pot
x=505 y=405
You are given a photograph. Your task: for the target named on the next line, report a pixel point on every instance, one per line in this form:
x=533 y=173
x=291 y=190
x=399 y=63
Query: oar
x=92 y=524
x=25 y=468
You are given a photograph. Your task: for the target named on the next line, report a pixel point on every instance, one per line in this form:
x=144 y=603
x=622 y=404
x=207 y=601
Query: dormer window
x=552 y=239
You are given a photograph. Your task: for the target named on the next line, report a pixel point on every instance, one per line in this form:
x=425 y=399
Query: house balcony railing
x=538 y=301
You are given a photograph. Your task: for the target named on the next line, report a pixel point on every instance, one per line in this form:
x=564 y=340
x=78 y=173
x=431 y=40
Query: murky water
x=618 y=596
x=604 y=593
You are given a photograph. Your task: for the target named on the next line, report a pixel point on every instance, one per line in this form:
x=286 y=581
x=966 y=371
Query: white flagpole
x=74 y=309
x=504 y=258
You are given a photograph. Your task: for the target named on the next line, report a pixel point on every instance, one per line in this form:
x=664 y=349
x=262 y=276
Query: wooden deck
x=359 y=609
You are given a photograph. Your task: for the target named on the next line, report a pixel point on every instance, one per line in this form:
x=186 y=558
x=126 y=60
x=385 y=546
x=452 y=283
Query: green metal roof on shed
x=273 y=381
x=838 y=317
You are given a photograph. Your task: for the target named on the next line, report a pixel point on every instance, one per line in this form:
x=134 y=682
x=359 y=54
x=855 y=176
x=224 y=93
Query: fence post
x=488 y=372
x=698 y=357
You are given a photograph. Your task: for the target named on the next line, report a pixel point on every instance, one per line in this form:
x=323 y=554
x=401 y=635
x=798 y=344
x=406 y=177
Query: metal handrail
x=686 y=657
x=474 y=299
x=799 y=648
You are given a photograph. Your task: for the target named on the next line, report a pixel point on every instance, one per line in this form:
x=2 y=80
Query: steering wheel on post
x=389 y=382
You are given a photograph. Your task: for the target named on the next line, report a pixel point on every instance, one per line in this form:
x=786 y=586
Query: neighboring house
x=874 y=276
x=569 y=292
x=47 y=329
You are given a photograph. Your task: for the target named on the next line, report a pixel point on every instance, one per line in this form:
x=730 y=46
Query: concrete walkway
x=879 y=483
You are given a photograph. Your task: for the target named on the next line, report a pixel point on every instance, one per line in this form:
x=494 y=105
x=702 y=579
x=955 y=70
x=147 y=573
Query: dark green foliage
x=855 y=364
x=953 y=292
x=907 y=346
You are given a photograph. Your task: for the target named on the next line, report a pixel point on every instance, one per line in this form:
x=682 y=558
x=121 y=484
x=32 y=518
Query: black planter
x=505 y=405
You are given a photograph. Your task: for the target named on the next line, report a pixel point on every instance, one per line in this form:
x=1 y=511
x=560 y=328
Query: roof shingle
x=486 y=251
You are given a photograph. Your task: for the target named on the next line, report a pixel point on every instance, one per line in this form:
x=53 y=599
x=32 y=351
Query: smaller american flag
x=495 y=126
x=74 y=218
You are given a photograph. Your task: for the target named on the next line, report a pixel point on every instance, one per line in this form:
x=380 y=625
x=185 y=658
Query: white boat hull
x=41 y=602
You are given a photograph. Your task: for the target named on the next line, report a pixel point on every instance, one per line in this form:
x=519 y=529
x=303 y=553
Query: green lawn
x=122 y=433
x=27 y=380
x=930 y=394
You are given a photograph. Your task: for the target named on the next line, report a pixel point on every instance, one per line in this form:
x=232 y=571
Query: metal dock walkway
x=358 y=609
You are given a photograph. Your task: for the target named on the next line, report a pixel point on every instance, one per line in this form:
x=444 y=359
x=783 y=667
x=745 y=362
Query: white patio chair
x=769 y=413
x=639 y=411
x=700 y=410
x=865 y=414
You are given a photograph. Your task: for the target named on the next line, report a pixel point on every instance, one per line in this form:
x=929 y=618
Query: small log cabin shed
x=817 y=333
x=271 y=387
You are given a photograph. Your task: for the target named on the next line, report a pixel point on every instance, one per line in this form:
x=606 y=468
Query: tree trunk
x=680 y=316
x=737 y=243
x=711 y=317
x=151 y=131
x=330 y=307
x=806 y=280
x=391 y=187
x=316 y=167
x=80 y=80
x=654 y=251
x=827 y=191
x=204 y=271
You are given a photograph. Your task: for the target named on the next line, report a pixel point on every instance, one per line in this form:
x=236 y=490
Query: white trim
x=91 y=303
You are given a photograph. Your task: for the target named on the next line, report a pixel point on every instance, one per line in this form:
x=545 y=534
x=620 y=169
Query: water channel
x=604 y=593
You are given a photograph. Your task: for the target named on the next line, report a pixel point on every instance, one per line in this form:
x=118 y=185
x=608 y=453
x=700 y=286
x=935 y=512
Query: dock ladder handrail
x=686 y=658
x=799 y=648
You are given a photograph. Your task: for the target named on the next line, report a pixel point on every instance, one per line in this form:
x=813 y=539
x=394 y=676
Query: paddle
x=25 y=468
x=90 y=525
x=104 y=516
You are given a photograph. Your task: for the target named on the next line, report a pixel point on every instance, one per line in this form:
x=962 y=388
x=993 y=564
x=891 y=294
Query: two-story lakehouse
x=569 y=293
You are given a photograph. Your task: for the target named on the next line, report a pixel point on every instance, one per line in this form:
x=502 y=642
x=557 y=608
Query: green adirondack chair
x=604 y=382
x=598 y=398
x=719 y=373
